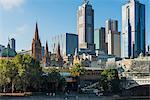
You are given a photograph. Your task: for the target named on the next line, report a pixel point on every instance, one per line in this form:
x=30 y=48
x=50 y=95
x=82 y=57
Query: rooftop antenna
x=85 y=1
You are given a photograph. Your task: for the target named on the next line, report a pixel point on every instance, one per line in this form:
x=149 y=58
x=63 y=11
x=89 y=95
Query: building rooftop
x=8 y=52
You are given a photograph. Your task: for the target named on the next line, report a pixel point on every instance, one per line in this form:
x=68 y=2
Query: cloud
x=10 y=4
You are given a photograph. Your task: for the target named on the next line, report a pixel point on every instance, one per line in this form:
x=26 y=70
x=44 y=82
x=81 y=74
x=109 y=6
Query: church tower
x=46 y=57
x=59 y=58
x=36 y=46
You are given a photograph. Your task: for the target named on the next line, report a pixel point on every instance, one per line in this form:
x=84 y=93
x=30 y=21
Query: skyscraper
x=85 y=26
x=12 y=43
x=133 y=29
x=99 y=39
x=110 y=25
x=113 y=37
x=68 y=43
x=114 y=43
x=36 y=46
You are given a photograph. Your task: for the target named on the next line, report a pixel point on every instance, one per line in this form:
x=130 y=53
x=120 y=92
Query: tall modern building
x=114 y=43
x=12 y=43
x=110 y=25
x=99 y=39
x=133 y=29
x=113 y=37
x=68 y=43
x=85 y=26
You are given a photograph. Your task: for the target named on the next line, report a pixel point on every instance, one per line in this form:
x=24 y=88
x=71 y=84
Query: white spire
x=76 y=52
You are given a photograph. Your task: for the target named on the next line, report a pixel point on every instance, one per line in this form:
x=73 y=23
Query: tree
x=109 y=80
x=8 y=74
x=77 y=70
x=23 y=73
x=4 y=79
x=53 y=80
x=28 y=70
x=12 y=74
x=62 y=84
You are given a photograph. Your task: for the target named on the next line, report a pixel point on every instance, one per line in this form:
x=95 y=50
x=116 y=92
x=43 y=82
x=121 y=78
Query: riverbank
x=16 y=94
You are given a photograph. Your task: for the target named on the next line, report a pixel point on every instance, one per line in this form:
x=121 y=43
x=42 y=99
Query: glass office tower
x=99 y=39
x=68 y=43
x=133 y=29
x=85 y=26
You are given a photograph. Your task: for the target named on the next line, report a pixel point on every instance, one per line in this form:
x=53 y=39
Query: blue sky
x=18 y=18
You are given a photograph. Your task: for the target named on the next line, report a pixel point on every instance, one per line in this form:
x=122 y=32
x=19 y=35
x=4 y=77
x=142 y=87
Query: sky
x=18 y=18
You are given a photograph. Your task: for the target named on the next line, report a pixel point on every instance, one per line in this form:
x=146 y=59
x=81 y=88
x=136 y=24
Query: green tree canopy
x=109 y=80
x=20 y=73
x=77 y=70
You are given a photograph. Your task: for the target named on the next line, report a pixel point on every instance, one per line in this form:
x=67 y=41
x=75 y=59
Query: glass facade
x=113 y=37
x=85 y=26
x=99 y=39
x=71 y=43
x=133 y=29
x=68 y=43
x=110 y=25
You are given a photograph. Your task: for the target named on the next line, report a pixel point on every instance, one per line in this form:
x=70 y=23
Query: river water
x=68 y=98
x=56 y=98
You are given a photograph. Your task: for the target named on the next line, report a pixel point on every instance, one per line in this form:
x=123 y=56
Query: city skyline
x=67 y=49
x=50 y=23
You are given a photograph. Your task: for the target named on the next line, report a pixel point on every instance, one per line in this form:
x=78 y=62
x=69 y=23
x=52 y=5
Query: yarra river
x=74 y=98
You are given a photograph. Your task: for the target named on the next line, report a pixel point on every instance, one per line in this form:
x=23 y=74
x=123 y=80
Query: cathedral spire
x=59 y=58
x=58 y=50
x=46 y=50
x=36 y=45
x=36 y=32
x=47 y=58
